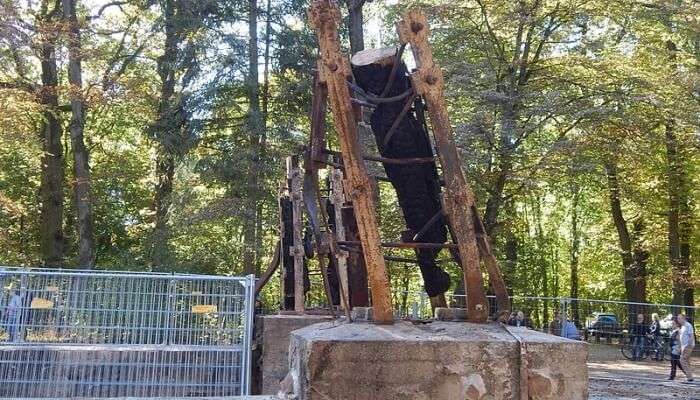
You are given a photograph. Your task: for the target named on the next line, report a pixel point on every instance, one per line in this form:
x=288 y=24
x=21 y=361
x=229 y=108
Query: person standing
x=568 y=328
x=520 y=320
x=675 y=345
x=637 y=333
x=686 y=338
x=555 y=325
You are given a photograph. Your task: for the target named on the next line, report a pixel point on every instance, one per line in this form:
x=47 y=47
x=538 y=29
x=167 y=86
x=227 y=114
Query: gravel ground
x=612 y=377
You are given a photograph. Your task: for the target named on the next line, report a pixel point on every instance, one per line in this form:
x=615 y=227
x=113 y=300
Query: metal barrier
x=110 y=334
x=612 y=322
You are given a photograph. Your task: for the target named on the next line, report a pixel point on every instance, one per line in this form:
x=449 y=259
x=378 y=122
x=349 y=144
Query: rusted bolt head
x=416 y=27
x=431 y=80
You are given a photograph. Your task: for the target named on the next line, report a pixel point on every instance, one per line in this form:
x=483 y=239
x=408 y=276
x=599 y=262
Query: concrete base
x=274 y=340
x=436 y=361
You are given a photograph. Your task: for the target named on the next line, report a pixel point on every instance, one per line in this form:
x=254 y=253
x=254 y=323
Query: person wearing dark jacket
x=637 y=332
x=520 y=320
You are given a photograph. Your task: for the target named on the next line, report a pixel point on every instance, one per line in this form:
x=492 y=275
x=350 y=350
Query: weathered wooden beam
x=295 y=183
x=428 y=82
x=335 y=71
x=337 y=199
x=318 y=118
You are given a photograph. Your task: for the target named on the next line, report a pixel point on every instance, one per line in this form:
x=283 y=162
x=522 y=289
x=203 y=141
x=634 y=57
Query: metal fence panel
x=103 y=334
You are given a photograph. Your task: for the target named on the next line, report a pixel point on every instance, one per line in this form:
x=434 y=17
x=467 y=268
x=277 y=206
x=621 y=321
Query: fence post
x=18 y=322
x=246 y=351
x=169 y=311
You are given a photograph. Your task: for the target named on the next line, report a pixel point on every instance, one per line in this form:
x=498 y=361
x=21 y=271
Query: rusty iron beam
x=387 y=160
x=404 y=245
x=434 y=219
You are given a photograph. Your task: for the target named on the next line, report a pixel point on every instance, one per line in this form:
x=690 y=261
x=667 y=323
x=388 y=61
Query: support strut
x=335 y=71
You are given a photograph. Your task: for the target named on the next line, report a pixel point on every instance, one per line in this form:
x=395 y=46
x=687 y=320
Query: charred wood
x=400 y=135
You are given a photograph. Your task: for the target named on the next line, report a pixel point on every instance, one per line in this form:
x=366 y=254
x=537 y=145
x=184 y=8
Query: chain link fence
x=615 y=323
x=106 y=334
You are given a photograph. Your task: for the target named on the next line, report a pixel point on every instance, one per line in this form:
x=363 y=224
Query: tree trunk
x=266 y=69
x=634 y=270
x=355 y=25
x=165 y=159
x=254 y=130
x=679 y=219
x=575 y=248
x=509 y=126
x=679 y=210
x=81 y=166
x=541 y=239
x=52 y=172
x=259 y=213
x=510 y=251
x=165 y=171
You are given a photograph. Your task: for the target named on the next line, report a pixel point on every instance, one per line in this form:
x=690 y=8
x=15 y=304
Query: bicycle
x=650 y=346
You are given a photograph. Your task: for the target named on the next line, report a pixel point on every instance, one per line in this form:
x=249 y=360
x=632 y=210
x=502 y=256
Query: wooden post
x=335 y=70
x=458 y=199
x=337 y=198
x=294 y=179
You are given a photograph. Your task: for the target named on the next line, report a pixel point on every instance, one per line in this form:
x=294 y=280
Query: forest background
x=151 y=134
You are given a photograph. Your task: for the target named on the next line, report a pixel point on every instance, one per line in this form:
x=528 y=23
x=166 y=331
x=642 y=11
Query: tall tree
x=256 y=132
x=634 y=258
x=173 y=129
x=356 y=25
x=169 y=120
x=259 y=214
x=575 y=251
x=52 y=170
x=81 y=164
x=679 y=211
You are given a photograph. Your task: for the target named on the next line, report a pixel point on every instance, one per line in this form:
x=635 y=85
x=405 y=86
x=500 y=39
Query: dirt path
x=613 y=378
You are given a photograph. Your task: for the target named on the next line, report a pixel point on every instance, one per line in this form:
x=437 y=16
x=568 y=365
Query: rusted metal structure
x=352 y=189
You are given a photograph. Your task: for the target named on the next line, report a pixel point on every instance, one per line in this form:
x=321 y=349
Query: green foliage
x=541 y=93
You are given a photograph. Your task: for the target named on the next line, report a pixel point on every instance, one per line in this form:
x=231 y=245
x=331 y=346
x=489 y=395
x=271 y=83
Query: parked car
x=603 y=325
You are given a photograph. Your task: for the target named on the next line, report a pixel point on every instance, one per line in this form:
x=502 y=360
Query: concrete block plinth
x=435 y=361
x=274 y=341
